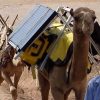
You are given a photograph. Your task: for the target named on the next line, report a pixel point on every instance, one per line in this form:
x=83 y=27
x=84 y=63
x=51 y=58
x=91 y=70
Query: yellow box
x=35 y=50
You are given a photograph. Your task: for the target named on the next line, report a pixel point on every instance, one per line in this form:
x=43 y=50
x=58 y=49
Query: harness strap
x=91 y=57
x=95 y=45
x=68 y=69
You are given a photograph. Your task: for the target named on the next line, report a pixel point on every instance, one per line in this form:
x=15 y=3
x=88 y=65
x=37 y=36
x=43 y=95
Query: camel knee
x=16 y=79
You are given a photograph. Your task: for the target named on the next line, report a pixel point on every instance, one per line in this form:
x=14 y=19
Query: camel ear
x=72 y=12
x=93 y=13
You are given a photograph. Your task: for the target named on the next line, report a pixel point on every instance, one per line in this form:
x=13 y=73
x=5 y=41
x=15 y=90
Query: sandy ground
x=26 y=88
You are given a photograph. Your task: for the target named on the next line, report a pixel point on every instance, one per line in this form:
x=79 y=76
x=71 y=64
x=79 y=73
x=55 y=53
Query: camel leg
x=16 y=78
x=79 y=95
x=67 y=94
x=58 y=82
x=44 y=86
x=1 y=79
x=13 y=91
x=80 y=89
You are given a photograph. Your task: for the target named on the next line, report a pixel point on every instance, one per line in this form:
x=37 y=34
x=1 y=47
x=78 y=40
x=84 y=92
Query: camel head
x=8 y=52
x=83 y=20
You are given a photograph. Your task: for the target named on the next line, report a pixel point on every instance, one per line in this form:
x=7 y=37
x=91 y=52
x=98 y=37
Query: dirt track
x=26 y=88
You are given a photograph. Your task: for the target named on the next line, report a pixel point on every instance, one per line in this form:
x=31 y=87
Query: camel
x=9 y=66
x=57 y=79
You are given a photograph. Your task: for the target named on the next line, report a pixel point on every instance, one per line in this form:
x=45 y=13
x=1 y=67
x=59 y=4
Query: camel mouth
x=88 y=32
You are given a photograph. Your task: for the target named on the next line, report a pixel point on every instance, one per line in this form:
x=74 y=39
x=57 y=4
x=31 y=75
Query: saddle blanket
x=62 y=46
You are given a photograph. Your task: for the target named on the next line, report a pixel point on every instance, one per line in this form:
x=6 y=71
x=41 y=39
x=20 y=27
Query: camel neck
x=80 y=56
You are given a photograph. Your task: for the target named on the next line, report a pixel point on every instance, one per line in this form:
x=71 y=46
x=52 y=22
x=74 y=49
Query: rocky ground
x=27 y=89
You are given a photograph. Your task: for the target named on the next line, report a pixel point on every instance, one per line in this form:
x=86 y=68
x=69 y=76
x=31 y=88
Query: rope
x=51 y=49
x=91 y=57
x=95 y=45
x=68 y=69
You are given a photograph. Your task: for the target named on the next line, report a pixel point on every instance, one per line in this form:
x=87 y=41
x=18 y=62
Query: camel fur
x=10 y=68
x=56 y=79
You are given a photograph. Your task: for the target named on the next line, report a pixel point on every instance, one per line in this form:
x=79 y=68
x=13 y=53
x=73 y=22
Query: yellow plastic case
x=35 y=51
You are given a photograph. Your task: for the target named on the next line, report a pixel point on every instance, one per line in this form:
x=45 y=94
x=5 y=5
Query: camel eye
x=76 y=18
x=94 y=17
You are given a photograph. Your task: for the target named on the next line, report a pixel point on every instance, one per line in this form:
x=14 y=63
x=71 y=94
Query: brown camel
x=56 y=79
x=9 y=66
